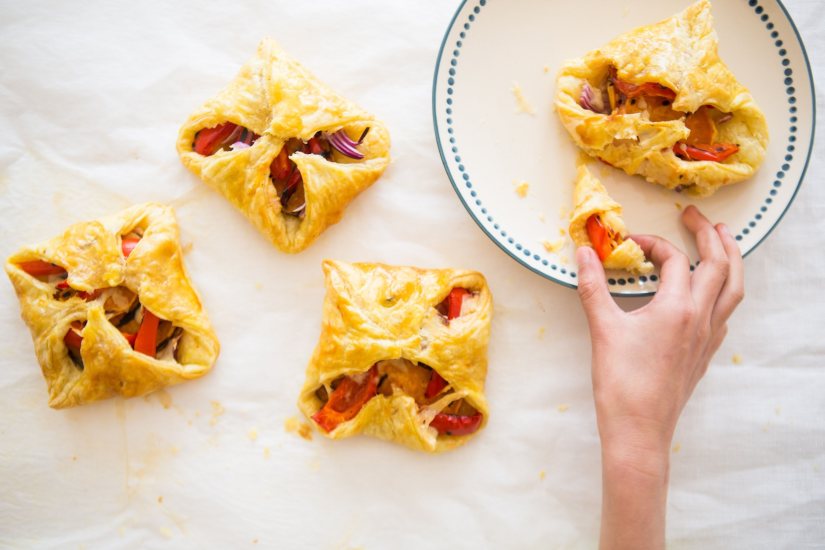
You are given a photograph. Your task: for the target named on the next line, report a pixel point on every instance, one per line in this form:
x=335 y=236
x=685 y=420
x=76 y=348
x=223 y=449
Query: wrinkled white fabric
x=91 y=97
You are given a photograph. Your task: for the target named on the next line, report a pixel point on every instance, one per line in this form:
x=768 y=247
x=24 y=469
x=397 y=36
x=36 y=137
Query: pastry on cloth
x=284 y=148
x=659 y=102
x=111 y=308
x=597 y=221
x=402 y=355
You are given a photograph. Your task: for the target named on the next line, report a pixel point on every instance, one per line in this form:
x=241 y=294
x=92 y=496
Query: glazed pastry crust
x=278 y=99
x=91 y=253
x=374 y=312
x=591 y=198
x=681 y=54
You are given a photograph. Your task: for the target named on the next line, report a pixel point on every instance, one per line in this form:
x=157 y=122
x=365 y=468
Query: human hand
x=647 y=362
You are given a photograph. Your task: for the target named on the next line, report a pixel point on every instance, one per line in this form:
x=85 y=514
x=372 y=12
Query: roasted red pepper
x=602 y=239
x=648 y=88
x=280 y=167
x=453 y=424
x=39 y=268
x=713 y=153
x=209 y=140
x=454 y=301
x=146 y=339
x=346 y=400
x=73 y=339
x=435 y=386
x=128 y=245
x=64 y=285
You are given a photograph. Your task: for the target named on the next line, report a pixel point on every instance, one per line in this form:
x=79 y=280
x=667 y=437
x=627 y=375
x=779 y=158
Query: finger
x=674 y=266
x=734 y=290
x=714 y=266
x=599 y=306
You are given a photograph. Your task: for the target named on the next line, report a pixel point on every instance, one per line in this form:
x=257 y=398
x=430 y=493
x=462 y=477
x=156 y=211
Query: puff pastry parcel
x=402 y=355
x=659 y=102
x=597 y=221
x=111 y=308
x=284 y=148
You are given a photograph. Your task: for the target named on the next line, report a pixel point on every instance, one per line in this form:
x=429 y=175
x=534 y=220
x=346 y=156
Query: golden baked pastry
x=597 y=221
x=659 y=102
x=284 y=148
x=402 y=355
x=111 y=308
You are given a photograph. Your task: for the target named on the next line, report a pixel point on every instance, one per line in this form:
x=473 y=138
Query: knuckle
x=720 y=266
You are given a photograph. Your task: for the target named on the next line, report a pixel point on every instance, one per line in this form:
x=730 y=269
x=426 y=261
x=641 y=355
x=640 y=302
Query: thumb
x=593 y=292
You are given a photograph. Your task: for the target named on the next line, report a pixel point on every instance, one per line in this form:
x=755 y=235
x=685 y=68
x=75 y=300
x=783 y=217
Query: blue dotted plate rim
x=759 y=10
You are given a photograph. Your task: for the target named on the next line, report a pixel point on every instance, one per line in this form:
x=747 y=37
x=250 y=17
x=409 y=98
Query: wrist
x=636 y=445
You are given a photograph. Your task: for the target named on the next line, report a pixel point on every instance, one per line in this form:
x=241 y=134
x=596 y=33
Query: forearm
x=634 y=497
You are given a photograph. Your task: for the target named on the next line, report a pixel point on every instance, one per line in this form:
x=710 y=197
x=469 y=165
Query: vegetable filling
x=349 y=394
x=602 y=237
x=286 y=177
x=618 y=97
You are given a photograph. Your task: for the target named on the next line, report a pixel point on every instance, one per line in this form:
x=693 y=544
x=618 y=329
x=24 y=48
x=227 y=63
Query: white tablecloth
x=91 y=97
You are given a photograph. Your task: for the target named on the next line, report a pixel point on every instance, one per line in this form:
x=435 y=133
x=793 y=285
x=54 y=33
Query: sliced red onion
x=238 y=145
x=344 y=145
x=725 y=118
x=591 y=99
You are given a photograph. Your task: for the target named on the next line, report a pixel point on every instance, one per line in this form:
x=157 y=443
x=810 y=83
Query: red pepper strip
x=314 y=147
x=648 y=88
x=73 y=339
x=209 y=140
x=294 y=179
x=279 y=169
x=599 y=237
x=454 y=301
x=437 y=383
x=347 y=400
x=713 y=153
x=129 y=244
x=147 y=335
x=130 y=338
x=39 y=268
x=453 y=424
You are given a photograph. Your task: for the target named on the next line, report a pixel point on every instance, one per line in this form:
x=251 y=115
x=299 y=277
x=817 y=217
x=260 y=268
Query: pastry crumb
x=546 y=69
x=677 y=447
x=187 y=247
x=553 y=246
x=522 y=105
x=160 y=499
x=542 y=475
x=267 y=452
x=166 y=532
x=564 y=260
x=563 y=407
x=293 y=425
x=540 y=333
x=217 y=411
x=521 y=188
x=254 y=541
x=252 y=434
x=562 y=232
x=164 y=397
x=678 y=206
x=74 y=458
x=259 y=285
x=737 y=359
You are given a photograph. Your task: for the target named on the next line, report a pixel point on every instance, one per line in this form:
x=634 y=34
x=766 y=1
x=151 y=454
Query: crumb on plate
x=521 y=188
x=522 y=105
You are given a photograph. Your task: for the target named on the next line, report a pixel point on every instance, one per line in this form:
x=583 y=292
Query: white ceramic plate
x=488 y=144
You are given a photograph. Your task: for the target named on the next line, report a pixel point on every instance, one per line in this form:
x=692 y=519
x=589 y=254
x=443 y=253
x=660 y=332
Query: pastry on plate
x=402 y=355
x=659 y=102
x=111 y=309
x=596 y=221
x=284 y=148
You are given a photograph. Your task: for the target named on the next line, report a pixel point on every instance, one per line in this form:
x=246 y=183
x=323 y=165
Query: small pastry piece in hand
x=285 y=149
x=597 y=221
x=402 y=355
x=111 y=309
x=659 y=102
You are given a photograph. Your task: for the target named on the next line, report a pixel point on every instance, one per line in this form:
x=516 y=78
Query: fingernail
x=725 y=229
